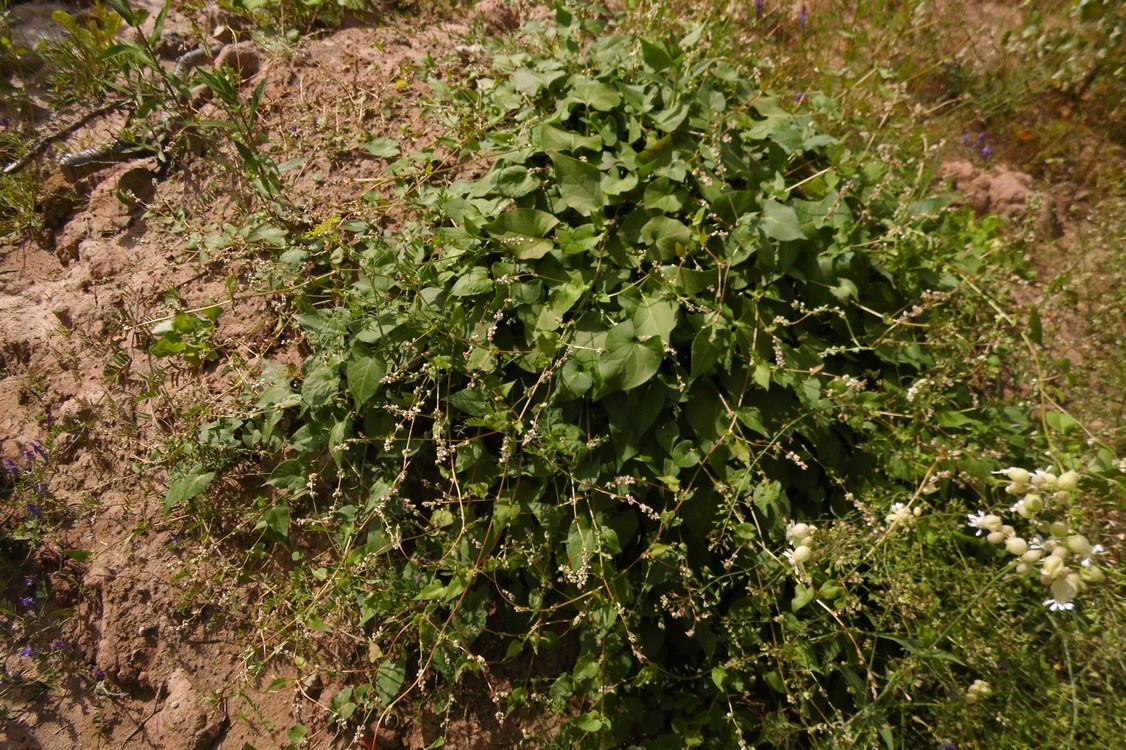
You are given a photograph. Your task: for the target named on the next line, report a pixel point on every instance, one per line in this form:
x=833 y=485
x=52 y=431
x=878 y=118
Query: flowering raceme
x=1064 y=559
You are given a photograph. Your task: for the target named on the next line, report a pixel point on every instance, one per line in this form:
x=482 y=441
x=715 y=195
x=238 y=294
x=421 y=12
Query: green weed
x=684 y=383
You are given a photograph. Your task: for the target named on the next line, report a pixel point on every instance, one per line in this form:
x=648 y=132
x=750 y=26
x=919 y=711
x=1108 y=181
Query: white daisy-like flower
x=1087 y=561
x=1058 y=606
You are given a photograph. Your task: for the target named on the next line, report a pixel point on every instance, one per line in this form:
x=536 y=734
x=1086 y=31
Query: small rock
x=496 y=15
x=57 y=201
x=240 y=58
x=185 y=722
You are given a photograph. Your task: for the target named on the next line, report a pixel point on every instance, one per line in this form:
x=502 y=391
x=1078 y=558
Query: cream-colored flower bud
x=801 y=554
x=991 y=523
x=798 y=531
x=1059 y=529
x=1022 y=509
x=1068 y=481
x=1052 y=567
x=1076 y=581
x=1016 y=546
x=979 y=690
x=1008 y=531
x=995 y=537
x=1062 y=590
x=1018 y=475
x=1032 y=555
x=1023 y=568
x=1060 y=552
x=1078 y=544
x=1016 y=489
x=1091 y=574
x=1044 y=480
x=1033 y=502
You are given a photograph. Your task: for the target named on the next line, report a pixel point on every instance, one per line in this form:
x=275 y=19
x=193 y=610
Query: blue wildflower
x=38 y=448
x=27 y=602
x=28 y=651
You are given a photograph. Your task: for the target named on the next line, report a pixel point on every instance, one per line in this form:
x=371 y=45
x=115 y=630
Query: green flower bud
x=1059 y=529
x=1016 y=546
x=801 y=554
x=1078 y=544
x=1032 y=555
x=1033 y=502
x=1091 y=574
x=995 y=537
x=1068 y=481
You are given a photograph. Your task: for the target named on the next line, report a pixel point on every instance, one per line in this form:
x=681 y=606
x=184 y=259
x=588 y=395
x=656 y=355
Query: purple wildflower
x=59 y=645
x=49 y=418
x=34 y=510
x=758 y=8
x=803 y=17
x=28 y=651
x=981 y=138
x=800 y=96
x=38 y=448
x=27 y=602
x=30 y=581
x=986 y=152
x=10 y=467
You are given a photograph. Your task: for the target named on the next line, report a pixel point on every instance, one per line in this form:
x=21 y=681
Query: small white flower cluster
x=800 y=536
x=979 y=690
x=1064 y=558
x=901 y=515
